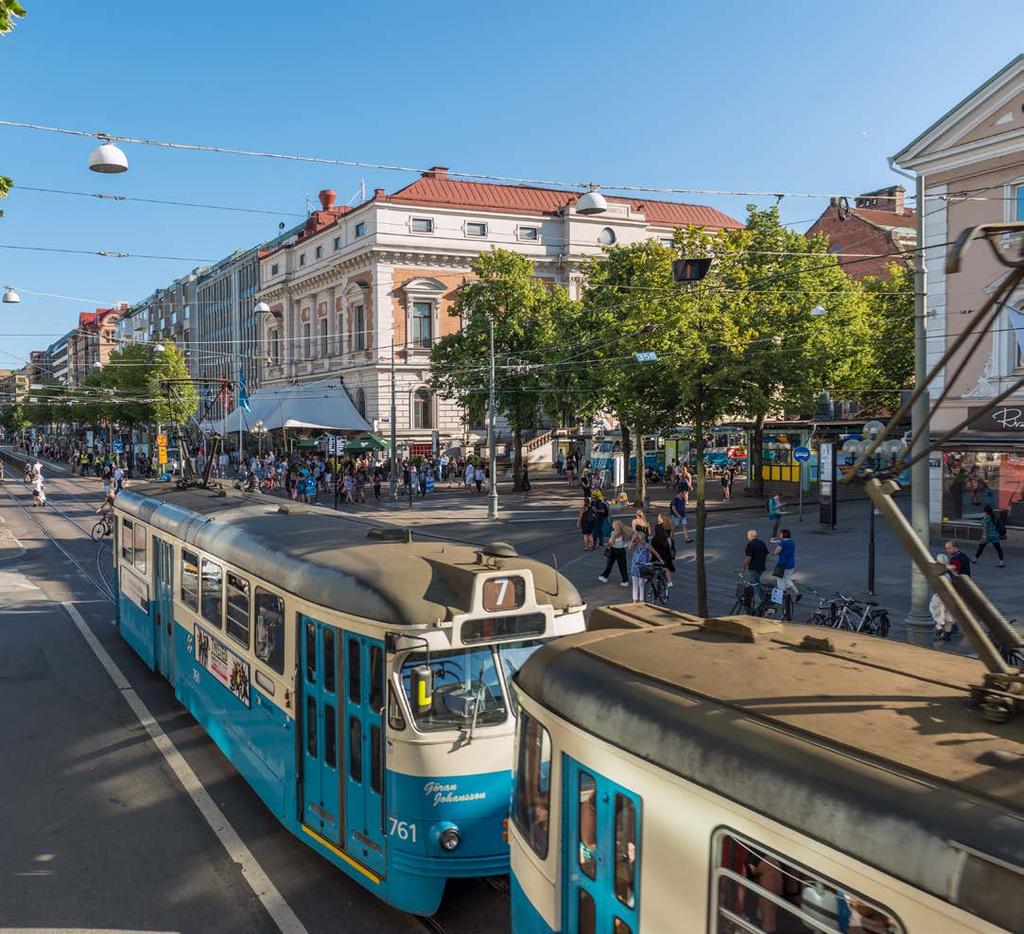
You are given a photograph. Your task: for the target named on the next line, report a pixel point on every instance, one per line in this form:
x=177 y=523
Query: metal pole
x=492 y=453
x=919 y=622
x=394 y=430
x=871 y=549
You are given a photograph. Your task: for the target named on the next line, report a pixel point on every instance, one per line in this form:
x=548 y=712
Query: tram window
x=311 y=726
x=330 y=737
x=140 y=548
x=531 y=796
x=587 y=819
x=355 y=749
x=238 y=609
x=354 y=678
x=269 y=635
x=586 y=919
x=376 y=677
x=757 y=889
x=376 y=772
x=213 y=592
x=330 y=662
x=311 y=653
x=396 y=720
x=620 y=927
x=625 y=851
x=127 y=539
x=189 y=579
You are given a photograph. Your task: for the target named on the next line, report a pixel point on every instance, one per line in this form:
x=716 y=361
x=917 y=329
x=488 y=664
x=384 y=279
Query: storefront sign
x=1001 y=418
x=230 y=670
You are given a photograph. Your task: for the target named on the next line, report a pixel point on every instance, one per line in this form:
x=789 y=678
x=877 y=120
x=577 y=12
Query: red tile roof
x=886 y=218
x=447 y=192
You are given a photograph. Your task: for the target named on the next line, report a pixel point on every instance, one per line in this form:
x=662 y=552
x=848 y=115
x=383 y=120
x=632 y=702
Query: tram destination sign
x=1001 y=418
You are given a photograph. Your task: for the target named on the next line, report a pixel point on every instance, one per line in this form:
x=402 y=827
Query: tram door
x=601 y=855
x=364 y=749
x=163 y=608
x=320 y=782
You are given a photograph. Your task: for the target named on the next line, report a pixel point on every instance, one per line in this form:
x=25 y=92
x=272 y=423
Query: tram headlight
x=447 y=836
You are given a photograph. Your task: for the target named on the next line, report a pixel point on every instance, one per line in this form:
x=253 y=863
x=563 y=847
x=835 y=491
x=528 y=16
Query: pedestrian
x=677 y=510
x=378 y=476
x=640 y=523
x=525 y=484
x=958 y=559
x=755 y=562
x=726 y=485
x=118 y=477
x=615 y=552
x=559 y=463
x=38 y=493
x=642 y=555
x=785 y=566
x=585 y=523
x=478 y=478
x=585 y=485
x=602 y=520
x=990 y=535
x=663 y=545
x=941 y=616
x=775 y=505
x=470 y=475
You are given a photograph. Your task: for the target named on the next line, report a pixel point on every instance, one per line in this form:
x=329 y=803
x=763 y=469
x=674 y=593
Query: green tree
x=891 y=311
x=170 y=385
x=48 y=407
x=13 y=418
x=772 y=278
x=505 y=292
x=9 y=11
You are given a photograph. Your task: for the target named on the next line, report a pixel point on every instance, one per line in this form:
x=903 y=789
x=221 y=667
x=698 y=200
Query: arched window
x=361 y=402
x=422 y=415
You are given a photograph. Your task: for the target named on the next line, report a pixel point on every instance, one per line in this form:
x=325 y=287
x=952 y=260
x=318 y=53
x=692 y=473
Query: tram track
x=100 y=583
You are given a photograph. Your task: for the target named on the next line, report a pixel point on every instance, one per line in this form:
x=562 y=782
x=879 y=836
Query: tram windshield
x=467 y=688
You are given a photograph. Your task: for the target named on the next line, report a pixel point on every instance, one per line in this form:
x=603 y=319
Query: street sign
x=118 y=445
x=801 y=454
x=161 y=440
x=646 y=356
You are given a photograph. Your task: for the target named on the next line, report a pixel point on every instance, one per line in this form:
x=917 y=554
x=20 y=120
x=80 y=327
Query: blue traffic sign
x=118 y=446
x=801 y=454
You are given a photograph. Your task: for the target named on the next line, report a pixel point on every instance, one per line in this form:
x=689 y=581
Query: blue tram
x=361 y=685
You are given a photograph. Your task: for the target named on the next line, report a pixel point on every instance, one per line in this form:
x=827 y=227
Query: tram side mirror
x=423 y=688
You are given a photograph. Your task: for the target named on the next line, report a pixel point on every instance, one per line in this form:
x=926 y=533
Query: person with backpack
x=601 y=518
x=990 y=535
x=585 y=523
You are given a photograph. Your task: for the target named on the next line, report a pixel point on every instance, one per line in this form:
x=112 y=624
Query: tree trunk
x=702 y=580
x=641 y=475
x=517 y=464
x=755 y=456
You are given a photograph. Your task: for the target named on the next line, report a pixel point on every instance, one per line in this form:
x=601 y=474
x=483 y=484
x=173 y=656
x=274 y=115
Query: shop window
x=531 y=795
x=756 y=889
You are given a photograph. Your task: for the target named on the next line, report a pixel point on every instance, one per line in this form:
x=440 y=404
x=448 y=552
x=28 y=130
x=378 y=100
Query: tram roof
x=808 y=735
x=326 y=557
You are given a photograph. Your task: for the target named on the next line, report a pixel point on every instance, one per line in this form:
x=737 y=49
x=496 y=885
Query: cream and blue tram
x=361 y=685
x=744 y=776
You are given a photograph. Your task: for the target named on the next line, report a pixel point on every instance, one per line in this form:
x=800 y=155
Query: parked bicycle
x=844 y=612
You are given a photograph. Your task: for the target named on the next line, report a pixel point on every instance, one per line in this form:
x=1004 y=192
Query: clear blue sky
x=790 y=95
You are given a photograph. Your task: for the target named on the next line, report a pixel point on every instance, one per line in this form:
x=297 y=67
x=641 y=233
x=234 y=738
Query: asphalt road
x=98 y=830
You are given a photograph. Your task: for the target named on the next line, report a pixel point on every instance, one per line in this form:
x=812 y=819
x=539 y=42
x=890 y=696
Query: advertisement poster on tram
x=230 y=670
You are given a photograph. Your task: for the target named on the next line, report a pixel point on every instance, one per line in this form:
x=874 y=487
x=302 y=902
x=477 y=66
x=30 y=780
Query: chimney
x=437 y=171
x=378 y=193
x=897 y=204
x=327 y=197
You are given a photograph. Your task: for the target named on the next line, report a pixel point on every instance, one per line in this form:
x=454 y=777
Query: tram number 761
x=402 y=829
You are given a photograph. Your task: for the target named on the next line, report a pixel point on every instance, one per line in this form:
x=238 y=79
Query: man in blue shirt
x=786 y=564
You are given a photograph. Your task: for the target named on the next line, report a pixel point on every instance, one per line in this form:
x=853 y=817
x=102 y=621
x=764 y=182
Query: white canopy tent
x=322 y=404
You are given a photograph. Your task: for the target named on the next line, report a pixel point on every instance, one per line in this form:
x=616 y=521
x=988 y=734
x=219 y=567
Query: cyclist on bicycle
x=755 y=563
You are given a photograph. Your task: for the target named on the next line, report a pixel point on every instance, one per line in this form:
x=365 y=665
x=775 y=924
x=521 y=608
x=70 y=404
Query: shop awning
x=322 y=405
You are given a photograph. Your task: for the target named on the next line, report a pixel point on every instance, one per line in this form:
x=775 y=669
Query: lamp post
x=492 y=453
x=891 y=450
x=259 y=429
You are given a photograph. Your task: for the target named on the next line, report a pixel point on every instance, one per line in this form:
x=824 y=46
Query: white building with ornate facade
x=357 y=285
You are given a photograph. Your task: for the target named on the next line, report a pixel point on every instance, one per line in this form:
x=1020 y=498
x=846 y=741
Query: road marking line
x=265 y=890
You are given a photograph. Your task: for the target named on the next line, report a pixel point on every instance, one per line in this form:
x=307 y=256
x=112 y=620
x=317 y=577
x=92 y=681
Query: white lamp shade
x=818 y=311
x=11 y=297
x=592 y=202
x=262 y=308
x=107 y=158
x=159 y=348
x=873 y=429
